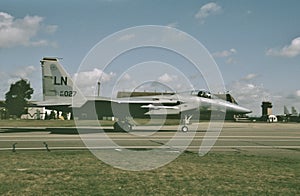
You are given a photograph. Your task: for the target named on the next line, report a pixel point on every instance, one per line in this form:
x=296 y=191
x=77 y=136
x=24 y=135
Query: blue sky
x=256 y=44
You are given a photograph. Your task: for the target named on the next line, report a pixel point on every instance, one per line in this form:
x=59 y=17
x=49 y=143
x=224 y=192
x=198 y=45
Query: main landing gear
x=125 y=125
x=122 y=125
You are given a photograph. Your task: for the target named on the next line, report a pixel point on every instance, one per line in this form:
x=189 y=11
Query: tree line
x=17 y=101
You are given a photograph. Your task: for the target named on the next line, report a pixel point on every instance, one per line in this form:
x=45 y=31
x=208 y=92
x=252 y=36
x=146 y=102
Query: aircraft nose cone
x=243 y=110
x=238 y=109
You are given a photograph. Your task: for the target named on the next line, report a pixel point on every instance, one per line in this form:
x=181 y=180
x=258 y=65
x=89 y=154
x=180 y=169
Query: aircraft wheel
x=122 y=126
x=184 y=129
x=117 y=127
x=127 y=127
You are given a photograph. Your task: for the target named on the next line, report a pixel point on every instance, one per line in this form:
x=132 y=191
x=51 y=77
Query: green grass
x=80 y=173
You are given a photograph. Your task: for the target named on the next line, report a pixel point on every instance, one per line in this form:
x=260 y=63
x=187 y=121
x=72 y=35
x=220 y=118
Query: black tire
x=127 y=127
x=123 y=127
x=184 y=129
x=117 y=127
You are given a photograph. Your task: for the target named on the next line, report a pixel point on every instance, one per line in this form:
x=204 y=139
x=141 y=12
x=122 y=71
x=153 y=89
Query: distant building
x=287 y=116
x=266 y=107
x=272 y=118
x=34 y=113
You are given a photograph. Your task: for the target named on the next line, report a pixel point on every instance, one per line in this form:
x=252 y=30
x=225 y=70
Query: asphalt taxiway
x=267 y=138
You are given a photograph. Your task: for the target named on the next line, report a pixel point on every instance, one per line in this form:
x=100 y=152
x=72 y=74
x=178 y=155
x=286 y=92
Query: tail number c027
x=67 y=93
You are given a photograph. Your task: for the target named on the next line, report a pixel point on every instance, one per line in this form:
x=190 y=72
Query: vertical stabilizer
x=294 y=111
x=57 y=84
x=286 y=111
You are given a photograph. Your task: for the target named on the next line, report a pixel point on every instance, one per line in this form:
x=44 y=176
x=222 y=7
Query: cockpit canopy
x=202 y=93
x=209 y=95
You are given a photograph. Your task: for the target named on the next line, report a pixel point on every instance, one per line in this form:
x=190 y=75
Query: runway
x=263 y=138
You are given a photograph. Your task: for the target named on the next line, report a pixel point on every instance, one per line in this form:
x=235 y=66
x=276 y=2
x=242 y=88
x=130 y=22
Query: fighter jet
x=61 y=93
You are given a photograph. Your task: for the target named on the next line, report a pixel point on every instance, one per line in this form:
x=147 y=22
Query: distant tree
x=46 y=116
x=72 y=116
x=17 y=97
x=52 y=115
x=65 y=115
x=3 y=113
x=57 y=115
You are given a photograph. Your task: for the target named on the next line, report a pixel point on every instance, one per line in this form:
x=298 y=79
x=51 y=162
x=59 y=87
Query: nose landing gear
x=186 y=121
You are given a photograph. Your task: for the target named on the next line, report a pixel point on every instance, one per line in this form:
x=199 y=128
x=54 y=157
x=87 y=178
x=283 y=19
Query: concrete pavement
x=275 y=139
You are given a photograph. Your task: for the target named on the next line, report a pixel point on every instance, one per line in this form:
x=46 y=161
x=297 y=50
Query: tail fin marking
x=57 y=83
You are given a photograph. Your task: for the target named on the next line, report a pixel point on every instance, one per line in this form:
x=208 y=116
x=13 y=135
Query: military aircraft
x=61 y=93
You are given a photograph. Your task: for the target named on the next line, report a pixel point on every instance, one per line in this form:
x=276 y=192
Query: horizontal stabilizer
x=50 y=103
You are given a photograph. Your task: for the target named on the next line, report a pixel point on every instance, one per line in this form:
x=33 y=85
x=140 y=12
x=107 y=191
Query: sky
x=255 y=43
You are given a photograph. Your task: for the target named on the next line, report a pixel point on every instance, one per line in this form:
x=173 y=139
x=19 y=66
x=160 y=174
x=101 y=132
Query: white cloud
x=29 y=73
x=250 y=76
x=225 y=53
x=208 y=10
x=291 y=50
x=230 y=60
x=24 y=72
x=294 y=96
x=228 y=54
x=127 y=37
x=292 y=100
x=166 y=78
x=3 y=85
x=126 y=77
x=173 y=25
x=23 y=31
x=171 y=36
x=250 y=95
x=87 y=80
x=50 y=28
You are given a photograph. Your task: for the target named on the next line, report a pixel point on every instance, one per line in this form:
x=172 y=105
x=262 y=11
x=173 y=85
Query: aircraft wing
x=161 y=110
x=147 y=100
x=168 y=110
x=187 y=106
x=156 y=105
x=50 y=103
x=168 y=105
